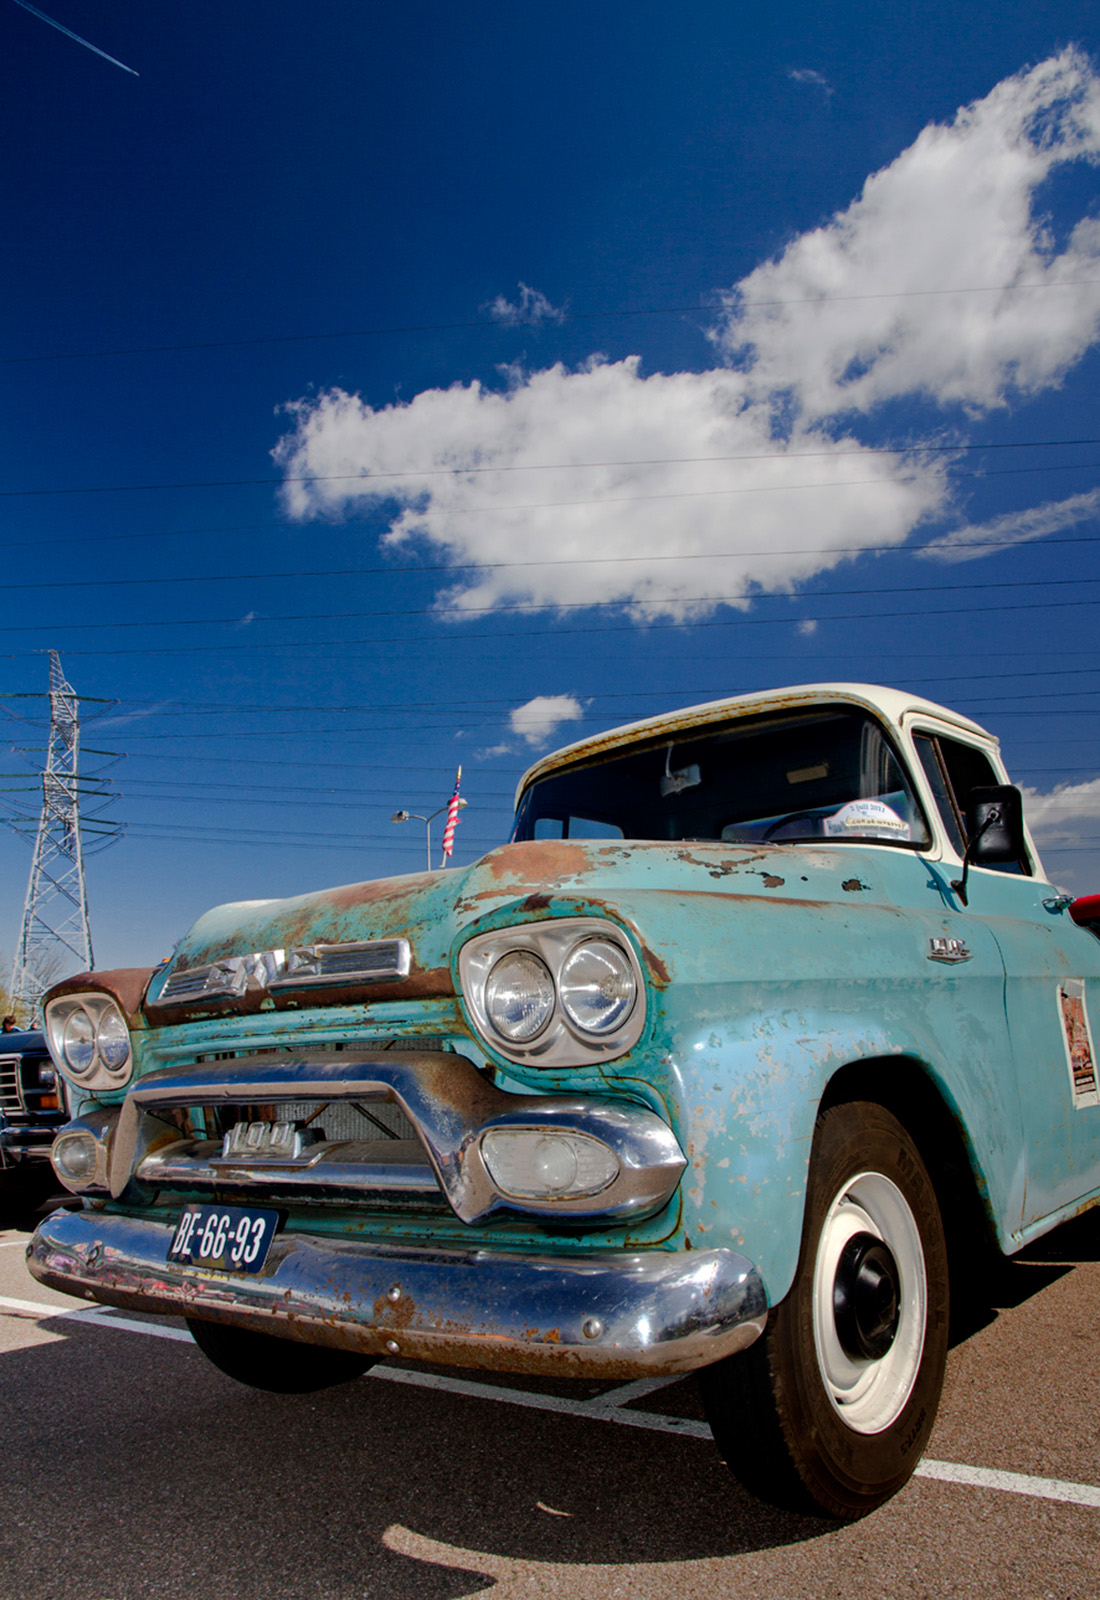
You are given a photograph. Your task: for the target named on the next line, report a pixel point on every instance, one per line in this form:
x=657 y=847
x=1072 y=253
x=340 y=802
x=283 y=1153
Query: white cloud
x=627 y=516
x=808 y=75
x=1016 y=527
x=532 y=306
x=669 y=494
x=540 y=718
x=870 y=307
x=536 y=722
x=1065 y=823
x=127 y=717
x=1058 y=816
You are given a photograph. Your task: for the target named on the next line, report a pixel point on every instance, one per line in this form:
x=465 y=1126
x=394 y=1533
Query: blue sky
x=394 y=387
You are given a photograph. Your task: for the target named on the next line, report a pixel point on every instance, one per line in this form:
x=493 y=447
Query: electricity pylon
x=56 y=935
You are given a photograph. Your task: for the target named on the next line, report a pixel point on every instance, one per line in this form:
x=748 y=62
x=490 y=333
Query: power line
x=695 y=625
x=530 y=321
x=567 y=466
x=551 y=561
x=475 y=611
x=707 y=692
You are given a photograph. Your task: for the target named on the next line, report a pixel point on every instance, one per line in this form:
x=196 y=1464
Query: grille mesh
x=336 y=1119
x=341 y=1119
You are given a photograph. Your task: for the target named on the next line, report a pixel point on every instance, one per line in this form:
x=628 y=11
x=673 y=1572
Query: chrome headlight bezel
x=108 y=1030
x=562 y=1041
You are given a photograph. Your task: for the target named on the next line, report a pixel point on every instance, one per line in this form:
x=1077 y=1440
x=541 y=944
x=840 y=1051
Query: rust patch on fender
x=656 y=968
x=125 y=985
x=853 y=886
x=771 y=881
x=536 y=902
x=538 y=859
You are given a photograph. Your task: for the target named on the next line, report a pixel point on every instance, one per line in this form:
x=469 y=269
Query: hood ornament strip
x=307 y=966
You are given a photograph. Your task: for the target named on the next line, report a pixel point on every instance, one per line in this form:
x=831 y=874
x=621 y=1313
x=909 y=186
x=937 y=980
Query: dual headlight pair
x=554 y=993
x=89 y=1040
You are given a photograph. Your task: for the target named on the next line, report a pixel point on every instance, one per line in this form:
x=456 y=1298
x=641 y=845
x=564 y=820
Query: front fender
x=746 y=1095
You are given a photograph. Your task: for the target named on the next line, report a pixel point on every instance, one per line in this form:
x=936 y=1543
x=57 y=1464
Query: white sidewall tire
x=800 y=1424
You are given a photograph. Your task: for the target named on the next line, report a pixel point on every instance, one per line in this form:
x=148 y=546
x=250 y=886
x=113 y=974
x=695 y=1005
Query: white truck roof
x=894 y=706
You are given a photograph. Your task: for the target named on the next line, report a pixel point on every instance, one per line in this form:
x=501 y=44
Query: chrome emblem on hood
x=307 y=966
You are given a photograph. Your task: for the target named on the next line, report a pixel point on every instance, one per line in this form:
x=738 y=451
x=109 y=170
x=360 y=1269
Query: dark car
x=33 y=1107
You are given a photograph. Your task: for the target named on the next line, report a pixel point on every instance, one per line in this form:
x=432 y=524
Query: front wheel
x=282 y=1366
x=830 y=1409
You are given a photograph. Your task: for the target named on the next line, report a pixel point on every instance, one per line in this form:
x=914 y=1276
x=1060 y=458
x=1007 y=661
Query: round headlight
x=73 y=1156
x=78 y=1042
x=112 y=1041
x=597 y=986
x=519 y=996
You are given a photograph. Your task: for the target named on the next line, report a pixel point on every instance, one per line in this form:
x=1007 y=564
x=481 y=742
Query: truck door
x=1052 y=996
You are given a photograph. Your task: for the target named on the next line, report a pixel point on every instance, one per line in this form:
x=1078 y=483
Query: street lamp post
x=414 y=816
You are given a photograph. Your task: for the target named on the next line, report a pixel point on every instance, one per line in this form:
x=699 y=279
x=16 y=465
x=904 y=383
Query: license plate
x=224 y=1238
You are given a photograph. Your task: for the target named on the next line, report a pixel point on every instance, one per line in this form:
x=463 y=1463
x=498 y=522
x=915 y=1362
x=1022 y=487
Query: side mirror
x=995 y=829
x=995 y=824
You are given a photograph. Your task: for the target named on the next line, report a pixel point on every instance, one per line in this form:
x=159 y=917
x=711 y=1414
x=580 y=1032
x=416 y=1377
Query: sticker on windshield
x=1079 y=1051
x=866 y=819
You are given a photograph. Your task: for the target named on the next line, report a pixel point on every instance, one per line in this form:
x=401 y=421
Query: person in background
x=9 y=1024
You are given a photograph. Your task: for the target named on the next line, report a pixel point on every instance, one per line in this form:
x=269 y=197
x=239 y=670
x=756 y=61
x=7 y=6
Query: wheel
x=283 y=1366
x=830 y=1410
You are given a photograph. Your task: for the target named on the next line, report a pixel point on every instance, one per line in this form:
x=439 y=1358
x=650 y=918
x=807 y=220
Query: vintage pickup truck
x=764 y=1025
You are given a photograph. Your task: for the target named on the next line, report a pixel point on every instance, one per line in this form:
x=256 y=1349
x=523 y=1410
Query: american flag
x=452 y=820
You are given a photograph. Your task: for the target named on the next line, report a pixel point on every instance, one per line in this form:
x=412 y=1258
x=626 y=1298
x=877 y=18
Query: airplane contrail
x=71 y=35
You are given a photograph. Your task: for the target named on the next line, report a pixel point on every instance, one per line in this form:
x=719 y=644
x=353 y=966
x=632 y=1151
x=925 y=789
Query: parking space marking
x=104 y=1315
x=1076 y=1494
x=609 y=1407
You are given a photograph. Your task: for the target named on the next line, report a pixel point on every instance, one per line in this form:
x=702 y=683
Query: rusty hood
x=434 y=910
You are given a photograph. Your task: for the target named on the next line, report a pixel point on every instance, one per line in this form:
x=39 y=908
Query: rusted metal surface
x=619 y=1315
x=770 y=968
x=449 y=1104
x=125 y=985
x=435 y=983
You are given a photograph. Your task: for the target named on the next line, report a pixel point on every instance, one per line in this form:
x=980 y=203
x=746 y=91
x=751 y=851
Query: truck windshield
x=824 y=775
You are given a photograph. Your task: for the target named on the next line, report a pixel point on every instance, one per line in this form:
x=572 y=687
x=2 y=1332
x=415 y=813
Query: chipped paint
x=769 y=970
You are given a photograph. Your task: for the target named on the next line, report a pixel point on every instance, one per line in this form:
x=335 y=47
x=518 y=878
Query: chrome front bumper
x=621 y=1316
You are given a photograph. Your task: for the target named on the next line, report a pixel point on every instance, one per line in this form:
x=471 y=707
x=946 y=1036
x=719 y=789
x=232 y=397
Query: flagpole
x=453 y=807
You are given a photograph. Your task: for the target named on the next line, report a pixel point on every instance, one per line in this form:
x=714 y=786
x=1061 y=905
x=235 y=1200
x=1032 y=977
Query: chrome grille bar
x=364 y=960
x=358 y=961
x=10 y=1098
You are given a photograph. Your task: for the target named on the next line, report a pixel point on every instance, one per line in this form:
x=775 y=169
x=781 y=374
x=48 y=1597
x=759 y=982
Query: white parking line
x=1076 y=1494
x=609 y=1407
x=104 y=1315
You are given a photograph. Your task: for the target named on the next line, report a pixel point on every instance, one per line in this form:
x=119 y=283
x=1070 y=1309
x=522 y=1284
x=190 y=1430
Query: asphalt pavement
x=131 y=1468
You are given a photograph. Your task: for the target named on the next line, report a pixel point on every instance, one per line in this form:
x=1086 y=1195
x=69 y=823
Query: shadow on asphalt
x=24 y=1204
x=1003 y=1283
x=131 y=1466
x=128 y=1454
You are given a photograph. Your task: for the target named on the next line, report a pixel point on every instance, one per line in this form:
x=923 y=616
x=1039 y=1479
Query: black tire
x=829 y=1414
x=281 y=1366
